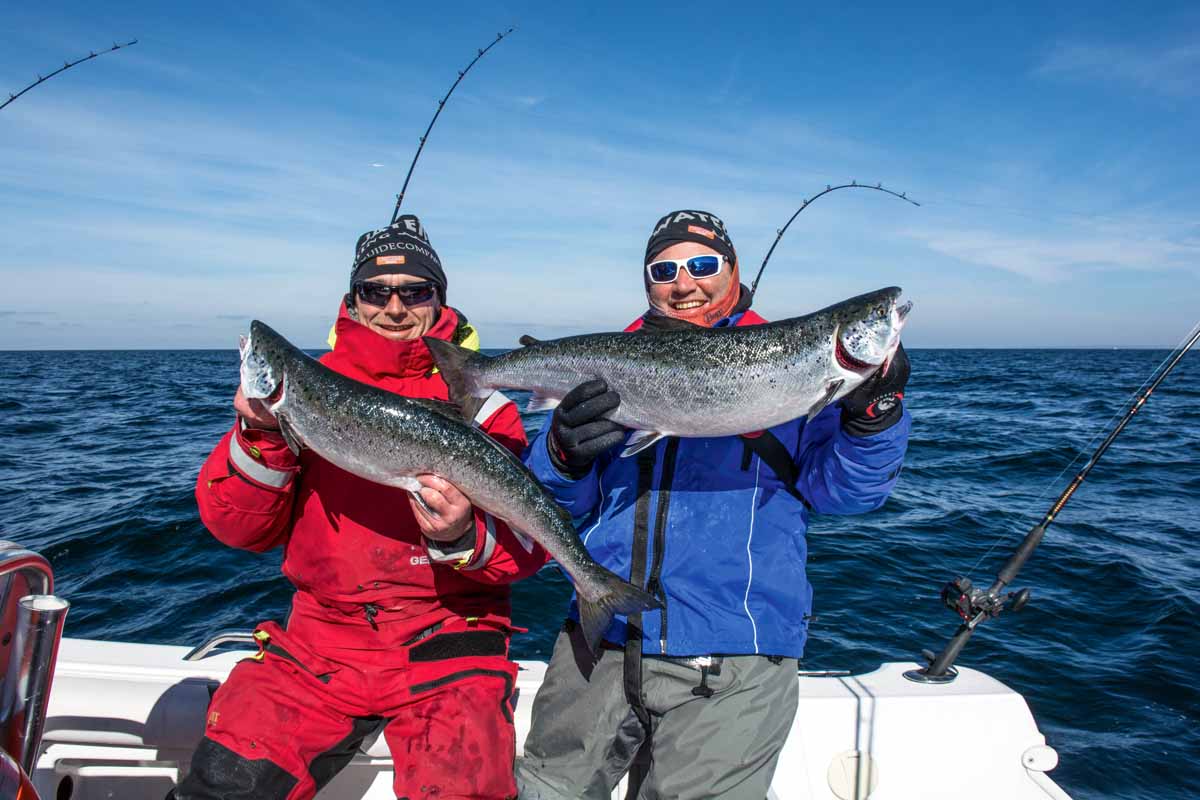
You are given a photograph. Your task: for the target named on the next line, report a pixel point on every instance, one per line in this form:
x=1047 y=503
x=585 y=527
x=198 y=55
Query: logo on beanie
x=386 y=247
x=687 y=216
x=407 y=225
x=388 y=260
x=690 y=226
x=412 y=225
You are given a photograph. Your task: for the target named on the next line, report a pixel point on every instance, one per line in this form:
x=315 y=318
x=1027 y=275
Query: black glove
x=578 y=431
x=875 y=406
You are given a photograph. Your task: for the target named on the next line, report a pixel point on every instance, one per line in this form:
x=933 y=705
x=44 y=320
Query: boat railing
x=31 y=623
x=218 y=640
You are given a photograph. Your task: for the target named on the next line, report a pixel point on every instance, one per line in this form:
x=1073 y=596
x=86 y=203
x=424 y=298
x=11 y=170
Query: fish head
x=264 y=358
x=868 y=331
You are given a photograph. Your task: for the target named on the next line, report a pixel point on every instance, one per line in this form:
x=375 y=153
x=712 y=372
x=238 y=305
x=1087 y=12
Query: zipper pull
x=703 y=690
x=369 y=611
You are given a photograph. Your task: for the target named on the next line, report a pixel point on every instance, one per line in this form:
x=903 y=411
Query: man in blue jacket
x=696 y=700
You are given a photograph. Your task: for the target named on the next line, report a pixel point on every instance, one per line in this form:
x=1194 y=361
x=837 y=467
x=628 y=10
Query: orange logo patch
x=213 y=717
x=701 y=231
x=386 y=260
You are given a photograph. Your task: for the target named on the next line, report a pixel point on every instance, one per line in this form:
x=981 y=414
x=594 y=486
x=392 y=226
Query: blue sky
x=221 y=170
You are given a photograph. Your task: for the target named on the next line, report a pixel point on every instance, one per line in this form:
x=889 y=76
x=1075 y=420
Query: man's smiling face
x=396 y=320
x=686 y=294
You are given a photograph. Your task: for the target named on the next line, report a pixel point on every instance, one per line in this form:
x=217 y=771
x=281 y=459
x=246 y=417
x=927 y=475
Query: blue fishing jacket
x=726 y=546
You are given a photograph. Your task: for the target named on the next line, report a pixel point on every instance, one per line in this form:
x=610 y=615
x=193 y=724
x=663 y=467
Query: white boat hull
x=124 y=719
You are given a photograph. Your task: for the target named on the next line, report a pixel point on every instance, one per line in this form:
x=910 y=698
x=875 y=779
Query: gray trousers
x=585 y=737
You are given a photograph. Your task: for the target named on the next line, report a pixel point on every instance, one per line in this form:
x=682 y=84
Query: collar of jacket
x=748 y=317
x=358 y=349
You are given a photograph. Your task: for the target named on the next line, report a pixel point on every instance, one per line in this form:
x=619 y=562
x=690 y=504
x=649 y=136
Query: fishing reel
x=974 y=604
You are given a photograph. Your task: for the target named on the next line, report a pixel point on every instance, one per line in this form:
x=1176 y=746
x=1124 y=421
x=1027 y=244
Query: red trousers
x=287 y=720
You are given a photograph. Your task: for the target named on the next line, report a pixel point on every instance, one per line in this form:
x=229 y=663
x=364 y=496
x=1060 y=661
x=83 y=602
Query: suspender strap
x=654 y=582
x=767 y=446
x=637 y=576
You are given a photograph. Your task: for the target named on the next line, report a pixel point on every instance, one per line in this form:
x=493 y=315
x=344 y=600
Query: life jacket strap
x=637 y=576
x=767 y=447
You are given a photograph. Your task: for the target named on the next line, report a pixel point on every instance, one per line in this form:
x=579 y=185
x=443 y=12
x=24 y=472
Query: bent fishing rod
x=851 y=185
x=66 y=66
x=441 y=104
x=975 y=605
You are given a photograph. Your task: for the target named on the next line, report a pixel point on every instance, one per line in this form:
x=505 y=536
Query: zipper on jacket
x=654 y=585
x=369 y=611
x=276 y=650
x=632 y=668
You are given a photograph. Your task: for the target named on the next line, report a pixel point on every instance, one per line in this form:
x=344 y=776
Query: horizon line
x=327 y=349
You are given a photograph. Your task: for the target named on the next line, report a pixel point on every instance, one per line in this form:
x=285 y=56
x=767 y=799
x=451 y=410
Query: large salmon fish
x=390 y=439
x=693 y=381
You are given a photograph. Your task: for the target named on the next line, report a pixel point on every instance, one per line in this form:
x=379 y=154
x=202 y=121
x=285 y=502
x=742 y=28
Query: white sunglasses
x=666 y=270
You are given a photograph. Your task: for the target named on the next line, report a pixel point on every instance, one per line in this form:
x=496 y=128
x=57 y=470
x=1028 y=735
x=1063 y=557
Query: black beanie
x=690 y=226
x=401 y=248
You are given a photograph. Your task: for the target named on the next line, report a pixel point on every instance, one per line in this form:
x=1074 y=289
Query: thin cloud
x=546 y=221
x=1171 y=71
x=1044 y=258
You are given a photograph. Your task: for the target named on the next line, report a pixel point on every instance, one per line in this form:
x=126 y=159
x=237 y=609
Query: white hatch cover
x=853 y=775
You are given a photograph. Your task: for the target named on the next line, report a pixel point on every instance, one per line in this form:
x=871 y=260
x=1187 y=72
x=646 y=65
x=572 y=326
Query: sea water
x=99 y=453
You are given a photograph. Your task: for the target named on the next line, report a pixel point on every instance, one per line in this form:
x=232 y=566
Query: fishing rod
x=976 y=605
x=851 y=185
x=441 y=104
x=66 y=66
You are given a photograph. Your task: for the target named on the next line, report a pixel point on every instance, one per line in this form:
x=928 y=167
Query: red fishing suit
x=385 y=629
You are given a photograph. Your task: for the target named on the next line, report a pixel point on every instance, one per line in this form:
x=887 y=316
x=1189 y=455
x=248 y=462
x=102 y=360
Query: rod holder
x=30 y=674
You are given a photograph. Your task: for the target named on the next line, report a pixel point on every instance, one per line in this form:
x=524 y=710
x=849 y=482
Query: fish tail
x=459 y=368
x=617 y=596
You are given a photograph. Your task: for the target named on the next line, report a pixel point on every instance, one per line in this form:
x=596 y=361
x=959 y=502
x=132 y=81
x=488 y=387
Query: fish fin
x=409 y=484
x=660 y=323
x=416 y=495
x=522 y=539
x=527 y=340
x=457 y=366
x=639 y=441
x=887 y=364
x=289 y=435
x=830 y=391
x=617 y=596
x=413 y=487
x=540 y=402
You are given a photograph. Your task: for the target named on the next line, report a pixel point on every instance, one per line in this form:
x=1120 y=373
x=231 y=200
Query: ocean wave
x=99 y=476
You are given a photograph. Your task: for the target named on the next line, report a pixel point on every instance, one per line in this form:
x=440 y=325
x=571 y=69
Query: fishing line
x=974 y=604
x=441 y=104
x=1082 y=451
x=851 y=185
x=1121 y=411
x=66 y=66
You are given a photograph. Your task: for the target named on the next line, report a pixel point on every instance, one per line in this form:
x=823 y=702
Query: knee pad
x=219 y=773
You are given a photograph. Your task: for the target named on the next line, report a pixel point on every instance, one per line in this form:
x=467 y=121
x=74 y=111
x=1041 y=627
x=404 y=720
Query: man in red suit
x=401 y=617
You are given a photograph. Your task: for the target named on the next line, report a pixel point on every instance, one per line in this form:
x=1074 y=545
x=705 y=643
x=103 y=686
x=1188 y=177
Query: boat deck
x=125 y=718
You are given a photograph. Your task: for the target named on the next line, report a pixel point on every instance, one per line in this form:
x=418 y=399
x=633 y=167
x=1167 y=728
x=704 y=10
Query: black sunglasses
x=379 y=294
